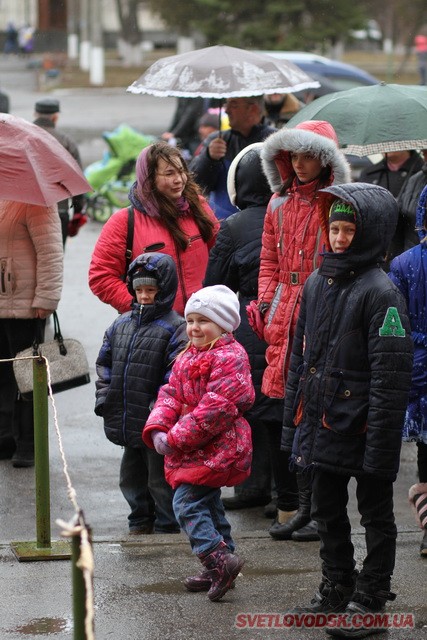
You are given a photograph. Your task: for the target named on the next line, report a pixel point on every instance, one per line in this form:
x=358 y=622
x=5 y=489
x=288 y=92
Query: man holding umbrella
x=220 y=72
x=211 y=165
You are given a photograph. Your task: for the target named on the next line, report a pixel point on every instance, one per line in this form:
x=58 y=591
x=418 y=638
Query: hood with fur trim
x=316 y=137
x=247 y=185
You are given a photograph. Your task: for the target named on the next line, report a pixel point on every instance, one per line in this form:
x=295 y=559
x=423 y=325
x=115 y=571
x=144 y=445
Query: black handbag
x=67 y=361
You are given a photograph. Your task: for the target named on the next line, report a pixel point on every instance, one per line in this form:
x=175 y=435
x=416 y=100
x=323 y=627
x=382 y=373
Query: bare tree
x=130 y=37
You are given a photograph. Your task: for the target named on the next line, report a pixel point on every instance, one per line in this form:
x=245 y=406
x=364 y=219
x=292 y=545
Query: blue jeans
x=200 y=513
x=143 y=484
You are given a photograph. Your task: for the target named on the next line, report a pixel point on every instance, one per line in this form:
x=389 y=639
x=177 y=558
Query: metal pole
x=41 y=453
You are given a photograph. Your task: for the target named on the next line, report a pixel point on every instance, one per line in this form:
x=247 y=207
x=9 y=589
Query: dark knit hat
x=47 y=105
x=341 y=210
x=140 y=279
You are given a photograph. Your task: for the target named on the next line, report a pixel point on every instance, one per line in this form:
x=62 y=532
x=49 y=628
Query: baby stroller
x=112 y=177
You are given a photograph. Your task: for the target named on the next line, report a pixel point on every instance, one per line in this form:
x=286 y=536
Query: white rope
x=76 y=526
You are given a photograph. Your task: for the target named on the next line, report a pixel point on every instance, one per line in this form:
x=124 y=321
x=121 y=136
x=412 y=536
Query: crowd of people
x=260 y=342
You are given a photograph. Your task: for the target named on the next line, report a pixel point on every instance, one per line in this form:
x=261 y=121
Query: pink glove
x=160 y=442
x=255 y=319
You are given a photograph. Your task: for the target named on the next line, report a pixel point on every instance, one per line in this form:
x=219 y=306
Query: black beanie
x=342 y=211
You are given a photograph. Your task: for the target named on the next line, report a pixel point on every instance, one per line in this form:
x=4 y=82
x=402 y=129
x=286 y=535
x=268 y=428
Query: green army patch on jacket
x=392 y=325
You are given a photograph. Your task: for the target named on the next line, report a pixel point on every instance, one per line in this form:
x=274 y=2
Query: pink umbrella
x=35 y=167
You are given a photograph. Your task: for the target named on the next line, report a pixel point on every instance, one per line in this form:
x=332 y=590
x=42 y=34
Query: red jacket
x=107 y=267
x=291 y=239
x=201 y=408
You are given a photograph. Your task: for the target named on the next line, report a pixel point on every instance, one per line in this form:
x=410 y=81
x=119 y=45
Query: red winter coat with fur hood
x=292 y=238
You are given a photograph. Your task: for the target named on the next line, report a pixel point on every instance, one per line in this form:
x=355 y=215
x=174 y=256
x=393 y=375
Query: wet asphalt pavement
x=138 y=580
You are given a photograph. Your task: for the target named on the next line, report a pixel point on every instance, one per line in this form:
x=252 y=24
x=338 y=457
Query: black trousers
x=375 y=504
x=285 y=480
x=16 y=415
x=422 y=461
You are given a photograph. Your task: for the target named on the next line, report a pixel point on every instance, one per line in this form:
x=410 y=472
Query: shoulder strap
x=129 y=237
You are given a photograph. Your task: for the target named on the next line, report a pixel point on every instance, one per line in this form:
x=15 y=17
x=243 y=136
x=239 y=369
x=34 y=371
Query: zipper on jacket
x=4 y=277
x=191 y=238
x=180 y=274
x=125 y=372
x=153 y=247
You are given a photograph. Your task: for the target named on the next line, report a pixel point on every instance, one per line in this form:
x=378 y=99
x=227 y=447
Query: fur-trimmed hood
x=314 y=136
x=247 y=185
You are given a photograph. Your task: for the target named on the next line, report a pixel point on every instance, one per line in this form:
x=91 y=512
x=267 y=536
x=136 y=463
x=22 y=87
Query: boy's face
x=201 y=330
x=145 y=294
x=341 y=234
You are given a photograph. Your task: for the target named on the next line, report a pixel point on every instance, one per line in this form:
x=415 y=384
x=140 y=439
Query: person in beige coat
x=31 y=270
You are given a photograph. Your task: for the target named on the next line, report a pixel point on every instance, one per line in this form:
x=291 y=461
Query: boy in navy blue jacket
x=345 y=401
x=134 y=361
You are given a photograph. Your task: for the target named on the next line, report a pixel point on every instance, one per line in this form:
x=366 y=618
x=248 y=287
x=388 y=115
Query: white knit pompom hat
x=218 y=303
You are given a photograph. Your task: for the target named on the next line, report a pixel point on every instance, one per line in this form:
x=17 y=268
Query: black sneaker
x=361 y=605
x=142 y=529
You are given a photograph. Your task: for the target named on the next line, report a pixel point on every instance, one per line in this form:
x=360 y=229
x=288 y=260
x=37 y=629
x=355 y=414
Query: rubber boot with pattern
x=222 y=567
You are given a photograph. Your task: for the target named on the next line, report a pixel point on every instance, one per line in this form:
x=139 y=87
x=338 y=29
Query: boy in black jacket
x=346 y=396
x=134 y=361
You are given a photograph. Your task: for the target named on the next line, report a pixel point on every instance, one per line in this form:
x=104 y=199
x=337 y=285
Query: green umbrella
x=374 y=119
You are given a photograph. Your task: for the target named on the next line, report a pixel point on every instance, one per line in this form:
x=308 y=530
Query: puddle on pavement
x=160 y=587
x=43 y=627
x=275 y=571
x=176 y=586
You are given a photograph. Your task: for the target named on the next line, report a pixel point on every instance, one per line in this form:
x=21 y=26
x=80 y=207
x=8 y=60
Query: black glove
x=99 y=409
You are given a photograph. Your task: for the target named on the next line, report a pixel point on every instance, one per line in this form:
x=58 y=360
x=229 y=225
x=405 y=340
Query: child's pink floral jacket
x=201 y=410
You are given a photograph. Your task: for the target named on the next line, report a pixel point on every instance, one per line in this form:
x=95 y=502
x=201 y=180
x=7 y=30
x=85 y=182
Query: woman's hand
x=42 y=313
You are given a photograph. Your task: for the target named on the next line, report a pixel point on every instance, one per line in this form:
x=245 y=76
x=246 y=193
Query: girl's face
x=341 y=234
x=306 y=166
x=201 y=330
x=145 y=294
x=170 y=179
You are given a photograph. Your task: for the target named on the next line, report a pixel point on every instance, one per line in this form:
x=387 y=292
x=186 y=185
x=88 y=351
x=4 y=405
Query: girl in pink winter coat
x=198 y=424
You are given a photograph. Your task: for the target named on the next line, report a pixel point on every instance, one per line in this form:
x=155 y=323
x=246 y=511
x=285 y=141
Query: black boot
x=330 y=597
x=24 y=429
x=7 y=447
x=306 y=534
x=302 y=517
x=423 y=547
x=362 y=604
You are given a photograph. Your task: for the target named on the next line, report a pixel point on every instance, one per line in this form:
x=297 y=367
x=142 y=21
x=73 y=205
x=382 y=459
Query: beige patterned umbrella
x=221 y=72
